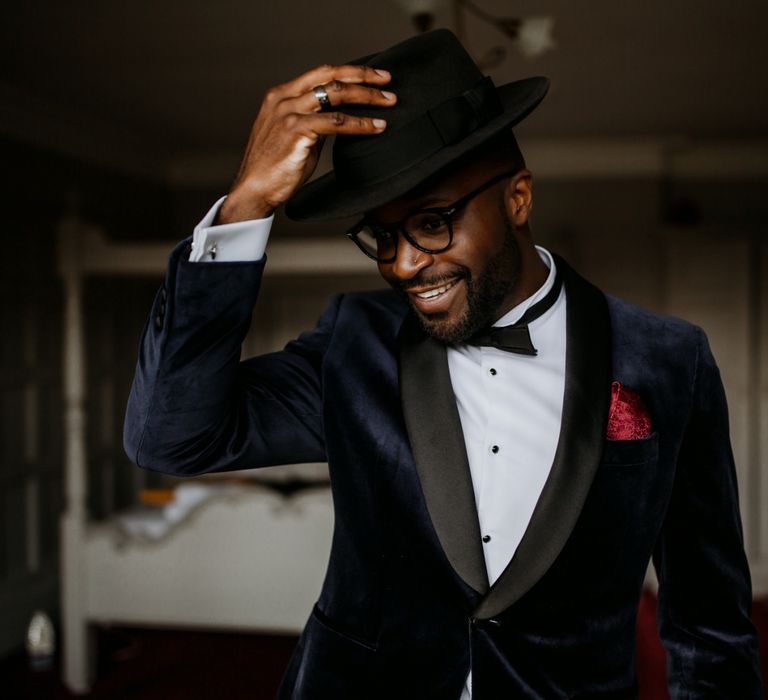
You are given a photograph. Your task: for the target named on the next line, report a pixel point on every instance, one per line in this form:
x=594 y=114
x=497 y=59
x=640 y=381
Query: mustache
x=426 y=280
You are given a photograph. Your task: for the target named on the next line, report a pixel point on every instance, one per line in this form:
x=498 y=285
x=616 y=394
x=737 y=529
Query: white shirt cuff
x=242 y=241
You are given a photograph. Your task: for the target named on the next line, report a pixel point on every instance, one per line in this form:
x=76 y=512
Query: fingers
x=343 y=84
x=326 y=73
x=341 y=93
x=327 y=123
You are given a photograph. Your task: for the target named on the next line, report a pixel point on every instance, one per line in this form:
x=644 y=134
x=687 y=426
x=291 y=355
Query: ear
x=518 y=197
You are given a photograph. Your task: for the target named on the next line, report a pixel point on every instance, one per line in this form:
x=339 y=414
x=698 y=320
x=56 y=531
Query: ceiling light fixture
x=531 y=36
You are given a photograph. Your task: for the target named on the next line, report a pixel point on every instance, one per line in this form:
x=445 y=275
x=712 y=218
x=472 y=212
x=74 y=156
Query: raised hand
x=289 y=131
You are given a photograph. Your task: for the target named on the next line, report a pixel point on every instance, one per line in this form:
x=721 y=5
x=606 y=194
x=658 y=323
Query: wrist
x=243 y=207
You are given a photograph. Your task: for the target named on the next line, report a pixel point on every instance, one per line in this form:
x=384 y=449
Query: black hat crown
x=445 y=107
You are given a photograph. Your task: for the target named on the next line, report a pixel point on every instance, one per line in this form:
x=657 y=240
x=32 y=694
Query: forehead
x=440 y=190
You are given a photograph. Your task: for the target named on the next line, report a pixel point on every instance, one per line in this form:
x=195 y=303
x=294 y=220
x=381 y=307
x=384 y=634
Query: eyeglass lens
x=428 y=230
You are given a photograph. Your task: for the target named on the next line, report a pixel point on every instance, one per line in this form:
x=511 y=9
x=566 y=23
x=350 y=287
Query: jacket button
x=484 y=624
x=158 y=322
x=163 y=293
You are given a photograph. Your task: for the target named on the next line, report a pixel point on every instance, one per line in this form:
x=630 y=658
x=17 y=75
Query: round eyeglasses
x=429 y=230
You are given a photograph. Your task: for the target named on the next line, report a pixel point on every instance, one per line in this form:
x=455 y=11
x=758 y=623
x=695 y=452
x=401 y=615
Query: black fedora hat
x=445 y=108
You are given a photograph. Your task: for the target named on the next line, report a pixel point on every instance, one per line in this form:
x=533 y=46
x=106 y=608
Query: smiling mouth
x=436 y=291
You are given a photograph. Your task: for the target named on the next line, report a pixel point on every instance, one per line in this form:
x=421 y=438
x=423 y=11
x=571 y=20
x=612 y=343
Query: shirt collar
x=516 y=313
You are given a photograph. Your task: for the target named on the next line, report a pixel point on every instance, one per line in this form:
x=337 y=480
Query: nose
x=409 y=260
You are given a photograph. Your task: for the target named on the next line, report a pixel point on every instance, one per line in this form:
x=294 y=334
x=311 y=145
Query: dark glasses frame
x=447 y=213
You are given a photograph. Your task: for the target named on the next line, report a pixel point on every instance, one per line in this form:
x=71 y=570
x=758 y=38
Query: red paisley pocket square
x=628 y=418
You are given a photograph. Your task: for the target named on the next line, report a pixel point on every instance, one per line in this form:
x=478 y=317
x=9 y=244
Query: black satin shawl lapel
x=437 y=442
x=579 y=449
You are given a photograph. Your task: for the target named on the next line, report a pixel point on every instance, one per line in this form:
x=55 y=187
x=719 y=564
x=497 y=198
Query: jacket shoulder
x=635 y=325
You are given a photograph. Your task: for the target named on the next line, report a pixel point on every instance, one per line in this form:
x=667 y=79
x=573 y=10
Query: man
x=508 y=447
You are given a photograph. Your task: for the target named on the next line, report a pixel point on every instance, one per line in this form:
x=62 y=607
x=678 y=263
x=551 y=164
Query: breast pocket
x=629 y=453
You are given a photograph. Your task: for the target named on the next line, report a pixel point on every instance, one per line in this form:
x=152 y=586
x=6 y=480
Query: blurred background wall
x=650 y=159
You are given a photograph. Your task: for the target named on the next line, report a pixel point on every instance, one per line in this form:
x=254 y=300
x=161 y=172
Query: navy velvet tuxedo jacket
x=406 y=608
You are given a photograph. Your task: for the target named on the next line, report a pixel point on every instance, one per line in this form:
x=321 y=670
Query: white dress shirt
x=510 y=408
x=510 y=405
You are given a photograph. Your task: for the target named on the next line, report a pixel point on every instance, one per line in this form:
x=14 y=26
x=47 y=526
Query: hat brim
x=324 y=199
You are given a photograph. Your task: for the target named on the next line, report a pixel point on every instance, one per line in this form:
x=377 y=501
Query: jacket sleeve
x=194 y=407
x=705 y=593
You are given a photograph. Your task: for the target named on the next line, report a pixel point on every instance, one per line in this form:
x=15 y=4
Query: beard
x=486 y=291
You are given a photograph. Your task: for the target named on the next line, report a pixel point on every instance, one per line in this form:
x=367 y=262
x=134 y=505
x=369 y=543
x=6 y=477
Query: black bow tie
x=516 y=337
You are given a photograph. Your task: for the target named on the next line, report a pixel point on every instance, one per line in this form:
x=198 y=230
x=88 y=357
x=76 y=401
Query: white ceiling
x=185 y=77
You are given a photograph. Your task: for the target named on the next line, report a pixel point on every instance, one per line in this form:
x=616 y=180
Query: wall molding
x=558 y=159
x=85 y=249
x=651 y=157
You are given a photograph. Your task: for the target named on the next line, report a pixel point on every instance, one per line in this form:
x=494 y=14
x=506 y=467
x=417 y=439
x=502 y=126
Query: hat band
x=441 y=126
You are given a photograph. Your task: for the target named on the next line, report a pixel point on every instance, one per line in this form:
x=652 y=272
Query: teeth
x=436 y=291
